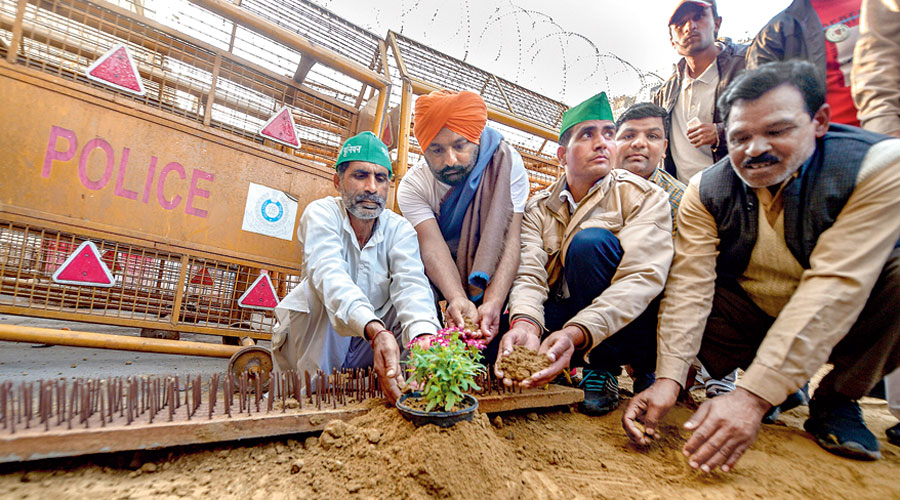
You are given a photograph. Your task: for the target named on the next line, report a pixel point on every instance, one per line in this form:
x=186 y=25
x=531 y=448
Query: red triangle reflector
x=117 y=69
x=84 y=267
x=260 y=295
x=202 y=278
x=386 y=136
x=280 y=128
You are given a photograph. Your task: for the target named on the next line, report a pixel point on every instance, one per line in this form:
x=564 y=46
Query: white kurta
x=345 y=287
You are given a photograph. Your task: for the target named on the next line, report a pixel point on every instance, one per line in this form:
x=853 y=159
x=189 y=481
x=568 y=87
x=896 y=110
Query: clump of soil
x=522 y=362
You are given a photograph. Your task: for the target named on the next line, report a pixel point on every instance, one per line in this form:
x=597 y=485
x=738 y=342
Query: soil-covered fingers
x=559 y=349
x=516 y=336
x=631 y=420
x=648 y=408
x=459 y=309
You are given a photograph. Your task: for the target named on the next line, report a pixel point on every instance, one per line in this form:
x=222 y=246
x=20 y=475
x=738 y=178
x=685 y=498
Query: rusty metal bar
x=16 y=333
x=211 y=97
x=179 y=292
x=16 y=32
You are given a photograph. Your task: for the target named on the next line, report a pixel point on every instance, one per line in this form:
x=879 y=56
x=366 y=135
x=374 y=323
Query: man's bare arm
x=442 y=271
x=498 y=288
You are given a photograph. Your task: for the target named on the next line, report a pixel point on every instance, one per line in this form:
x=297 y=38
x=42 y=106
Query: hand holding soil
x=521 y=363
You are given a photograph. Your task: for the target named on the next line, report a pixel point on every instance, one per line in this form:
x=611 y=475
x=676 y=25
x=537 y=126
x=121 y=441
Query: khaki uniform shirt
x=633 y=209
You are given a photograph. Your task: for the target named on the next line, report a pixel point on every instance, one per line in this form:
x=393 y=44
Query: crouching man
x=364 y=286
x=786 y=257
x=596 y=247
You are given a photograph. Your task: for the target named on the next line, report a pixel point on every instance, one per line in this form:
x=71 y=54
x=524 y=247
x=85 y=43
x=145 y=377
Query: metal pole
x=15 y=333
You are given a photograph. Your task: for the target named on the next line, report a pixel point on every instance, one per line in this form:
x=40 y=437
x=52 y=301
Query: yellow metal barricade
x=168 y=185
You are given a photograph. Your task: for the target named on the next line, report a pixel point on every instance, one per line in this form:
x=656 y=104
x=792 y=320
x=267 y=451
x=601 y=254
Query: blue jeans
x=591 y=262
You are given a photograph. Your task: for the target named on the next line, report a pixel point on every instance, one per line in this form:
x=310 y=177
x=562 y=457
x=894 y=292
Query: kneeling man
x=363 y=284
x=596 y=247
x=786 y=257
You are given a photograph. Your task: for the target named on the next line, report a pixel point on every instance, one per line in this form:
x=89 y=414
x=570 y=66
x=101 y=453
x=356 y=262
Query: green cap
x=365 y=146
x=595 y=108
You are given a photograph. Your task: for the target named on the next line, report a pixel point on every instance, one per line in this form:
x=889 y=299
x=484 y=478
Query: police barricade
x=155 y=162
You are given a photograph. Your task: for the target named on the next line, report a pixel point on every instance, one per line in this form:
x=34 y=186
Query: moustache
x=373 y=197
x=763 y=158
x=453 y=169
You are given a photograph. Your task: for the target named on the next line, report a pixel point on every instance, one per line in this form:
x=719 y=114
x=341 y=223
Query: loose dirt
x=522 y=362
x=552 y=454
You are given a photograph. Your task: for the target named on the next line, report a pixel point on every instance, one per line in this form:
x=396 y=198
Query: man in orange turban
x=470 y=183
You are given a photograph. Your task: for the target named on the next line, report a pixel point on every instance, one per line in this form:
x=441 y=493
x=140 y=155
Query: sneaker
x=799 y=398
x=893 y=434
x=641 y=381
x=838 y=426
x=601 y=392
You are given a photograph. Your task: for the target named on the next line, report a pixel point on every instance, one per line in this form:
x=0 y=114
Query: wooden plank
x=553 y=395
x=36 y=444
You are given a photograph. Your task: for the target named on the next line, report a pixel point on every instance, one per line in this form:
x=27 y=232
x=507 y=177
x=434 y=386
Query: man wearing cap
x=596 y=247
x=787 y=257
x=470 y=184
x=697 y=137
x=363 y=285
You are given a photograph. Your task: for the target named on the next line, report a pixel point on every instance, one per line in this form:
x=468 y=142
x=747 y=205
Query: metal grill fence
x=153 y=288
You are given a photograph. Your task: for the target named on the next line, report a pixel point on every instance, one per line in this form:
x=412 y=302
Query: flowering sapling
x=446 y=367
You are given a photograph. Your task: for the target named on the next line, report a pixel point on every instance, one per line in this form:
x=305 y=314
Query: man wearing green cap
x=363 y=286
x=596 y=247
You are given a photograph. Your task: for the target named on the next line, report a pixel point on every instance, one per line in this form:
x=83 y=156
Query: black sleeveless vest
x=812 y=201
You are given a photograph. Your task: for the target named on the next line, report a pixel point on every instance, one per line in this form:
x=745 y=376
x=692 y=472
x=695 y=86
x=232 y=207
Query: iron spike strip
x=84 y=405
x=170 y=390
x=40 y=401
x=127 y=405
x=334 y=387
x=258 y=392
x=26 y=403
x=101 y=408
x=226 y=394
x=283 y=377
x=318 y=391
x=47 y=396
x=213 y=392
x=12 y=408
x=270 y=396
x=187 y=407
x=4 y=406
x=112 y=403
x=198 y=393
x=298 y=391
x=308 y=387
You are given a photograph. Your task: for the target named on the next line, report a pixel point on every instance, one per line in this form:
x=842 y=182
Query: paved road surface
x=21 y=361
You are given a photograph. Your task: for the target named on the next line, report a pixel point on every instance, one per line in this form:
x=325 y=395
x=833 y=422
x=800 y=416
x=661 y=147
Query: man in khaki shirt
x=786 y=257
x=596 y=247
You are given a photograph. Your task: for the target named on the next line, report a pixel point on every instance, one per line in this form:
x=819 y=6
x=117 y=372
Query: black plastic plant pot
x=438 y=418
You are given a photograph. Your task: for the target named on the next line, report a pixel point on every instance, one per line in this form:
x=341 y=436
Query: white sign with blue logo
x=270 y=212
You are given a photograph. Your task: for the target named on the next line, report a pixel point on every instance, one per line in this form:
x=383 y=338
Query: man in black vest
x=786 y=257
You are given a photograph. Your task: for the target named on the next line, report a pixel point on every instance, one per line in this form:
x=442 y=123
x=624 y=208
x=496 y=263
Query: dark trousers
x=591 y=262
x=870 y=350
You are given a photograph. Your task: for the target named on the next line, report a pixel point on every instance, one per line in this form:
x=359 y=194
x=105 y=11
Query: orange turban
x=462 y=112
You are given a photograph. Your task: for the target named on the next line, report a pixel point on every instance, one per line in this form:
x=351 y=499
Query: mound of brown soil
x=522 y=362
